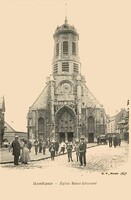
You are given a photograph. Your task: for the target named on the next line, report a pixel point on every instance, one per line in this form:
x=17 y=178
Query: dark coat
x=56 y=145
x=69 y=147
x=82 y=147
x=52 y=148
x=16 y=148
x=115 y=141
x=110 y=138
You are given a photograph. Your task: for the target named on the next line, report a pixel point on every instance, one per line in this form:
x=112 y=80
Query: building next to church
x=2 y=119
x=66 y=109
x=10 y=133
x=119 y=123
x=111 y=125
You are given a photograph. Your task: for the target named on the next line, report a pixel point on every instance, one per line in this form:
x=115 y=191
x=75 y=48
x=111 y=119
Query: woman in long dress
x=25 y=157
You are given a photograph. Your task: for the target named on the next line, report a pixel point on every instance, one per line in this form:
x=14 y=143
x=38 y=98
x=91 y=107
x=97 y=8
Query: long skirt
x=25 y=157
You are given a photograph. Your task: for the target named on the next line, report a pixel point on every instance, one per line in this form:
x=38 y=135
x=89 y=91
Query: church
x=66 y=109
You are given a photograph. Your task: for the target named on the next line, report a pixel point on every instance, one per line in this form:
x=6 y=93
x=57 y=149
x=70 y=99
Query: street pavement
x=99 y=159
x=105 y=175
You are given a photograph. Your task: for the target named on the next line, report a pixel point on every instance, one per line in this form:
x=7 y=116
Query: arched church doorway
x=65 y=124
x=90 y=129
x=41 y=128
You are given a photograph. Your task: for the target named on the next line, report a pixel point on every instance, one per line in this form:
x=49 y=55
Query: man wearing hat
x=69 y=148
x=16 y=150
x=82 y=151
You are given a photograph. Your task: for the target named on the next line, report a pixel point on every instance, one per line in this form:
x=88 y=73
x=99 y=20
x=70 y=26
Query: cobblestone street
x=99 y=159
x=106 y=168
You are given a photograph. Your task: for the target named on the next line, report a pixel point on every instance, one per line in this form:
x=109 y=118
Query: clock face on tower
x=66 y=88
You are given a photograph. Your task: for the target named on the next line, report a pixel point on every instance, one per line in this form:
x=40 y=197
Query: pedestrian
x=40 y=146
x=62 y=147
x=98 y=140
x=43 y=144
x=77 y=149
x=115 y=141
x=110 y=140
x=52 y=150
x=36 y=147
x=82 y=151
x=25 y=157
x=56 y=147
x=119 y=140
x=16 y=150
x=69 y=148
x=9 y=146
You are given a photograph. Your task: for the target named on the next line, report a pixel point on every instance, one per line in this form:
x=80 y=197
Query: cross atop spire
x=66 y=21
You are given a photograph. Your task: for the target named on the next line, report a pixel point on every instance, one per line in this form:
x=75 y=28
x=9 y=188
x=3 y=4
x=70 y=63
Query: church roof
x=89 y=99
x=65 y=28
x=8 y=128
x=41 y=101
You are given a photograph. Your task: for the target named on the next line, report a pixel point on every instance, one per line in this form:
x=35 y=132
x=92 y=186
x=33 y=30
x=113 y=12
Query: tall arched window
x=91 y=124
x=65 y=47
x=73 y=48
x=41 y=127
x=91 y=129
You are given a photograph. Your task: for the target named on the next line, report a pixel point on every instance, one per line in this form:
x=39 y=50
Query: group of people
x=40 y=146
x=22 y=149
x=54 y=148
x=114 y=140
x=79 y=147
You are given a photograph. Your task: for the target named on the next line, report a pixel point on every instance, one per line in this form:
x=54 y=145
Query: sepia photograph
x=65 y=70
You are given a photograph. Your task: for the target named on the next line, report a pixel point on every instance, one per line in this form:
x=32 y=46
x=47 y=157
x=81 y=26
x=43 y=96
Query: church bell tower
x=67 y=89
x=66 y=52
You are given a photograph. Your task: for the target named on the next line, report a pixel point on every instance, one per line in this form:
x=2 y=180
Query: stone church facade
x=66 y=109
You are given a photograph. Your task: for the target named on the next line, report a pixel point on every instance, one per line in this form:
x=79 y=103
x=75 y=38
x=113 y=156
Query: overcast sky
x=26 y=50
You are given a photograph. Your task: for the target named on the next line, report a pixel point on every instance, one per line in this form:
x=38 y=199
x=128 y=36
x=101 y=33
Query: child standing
x=52 y=150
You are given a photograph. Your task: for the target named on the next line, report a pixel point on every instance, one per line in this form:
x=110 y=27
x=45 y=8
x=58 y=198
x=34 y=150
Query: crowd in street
x=21 y=150
x=111 y=139
x=114 y=140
